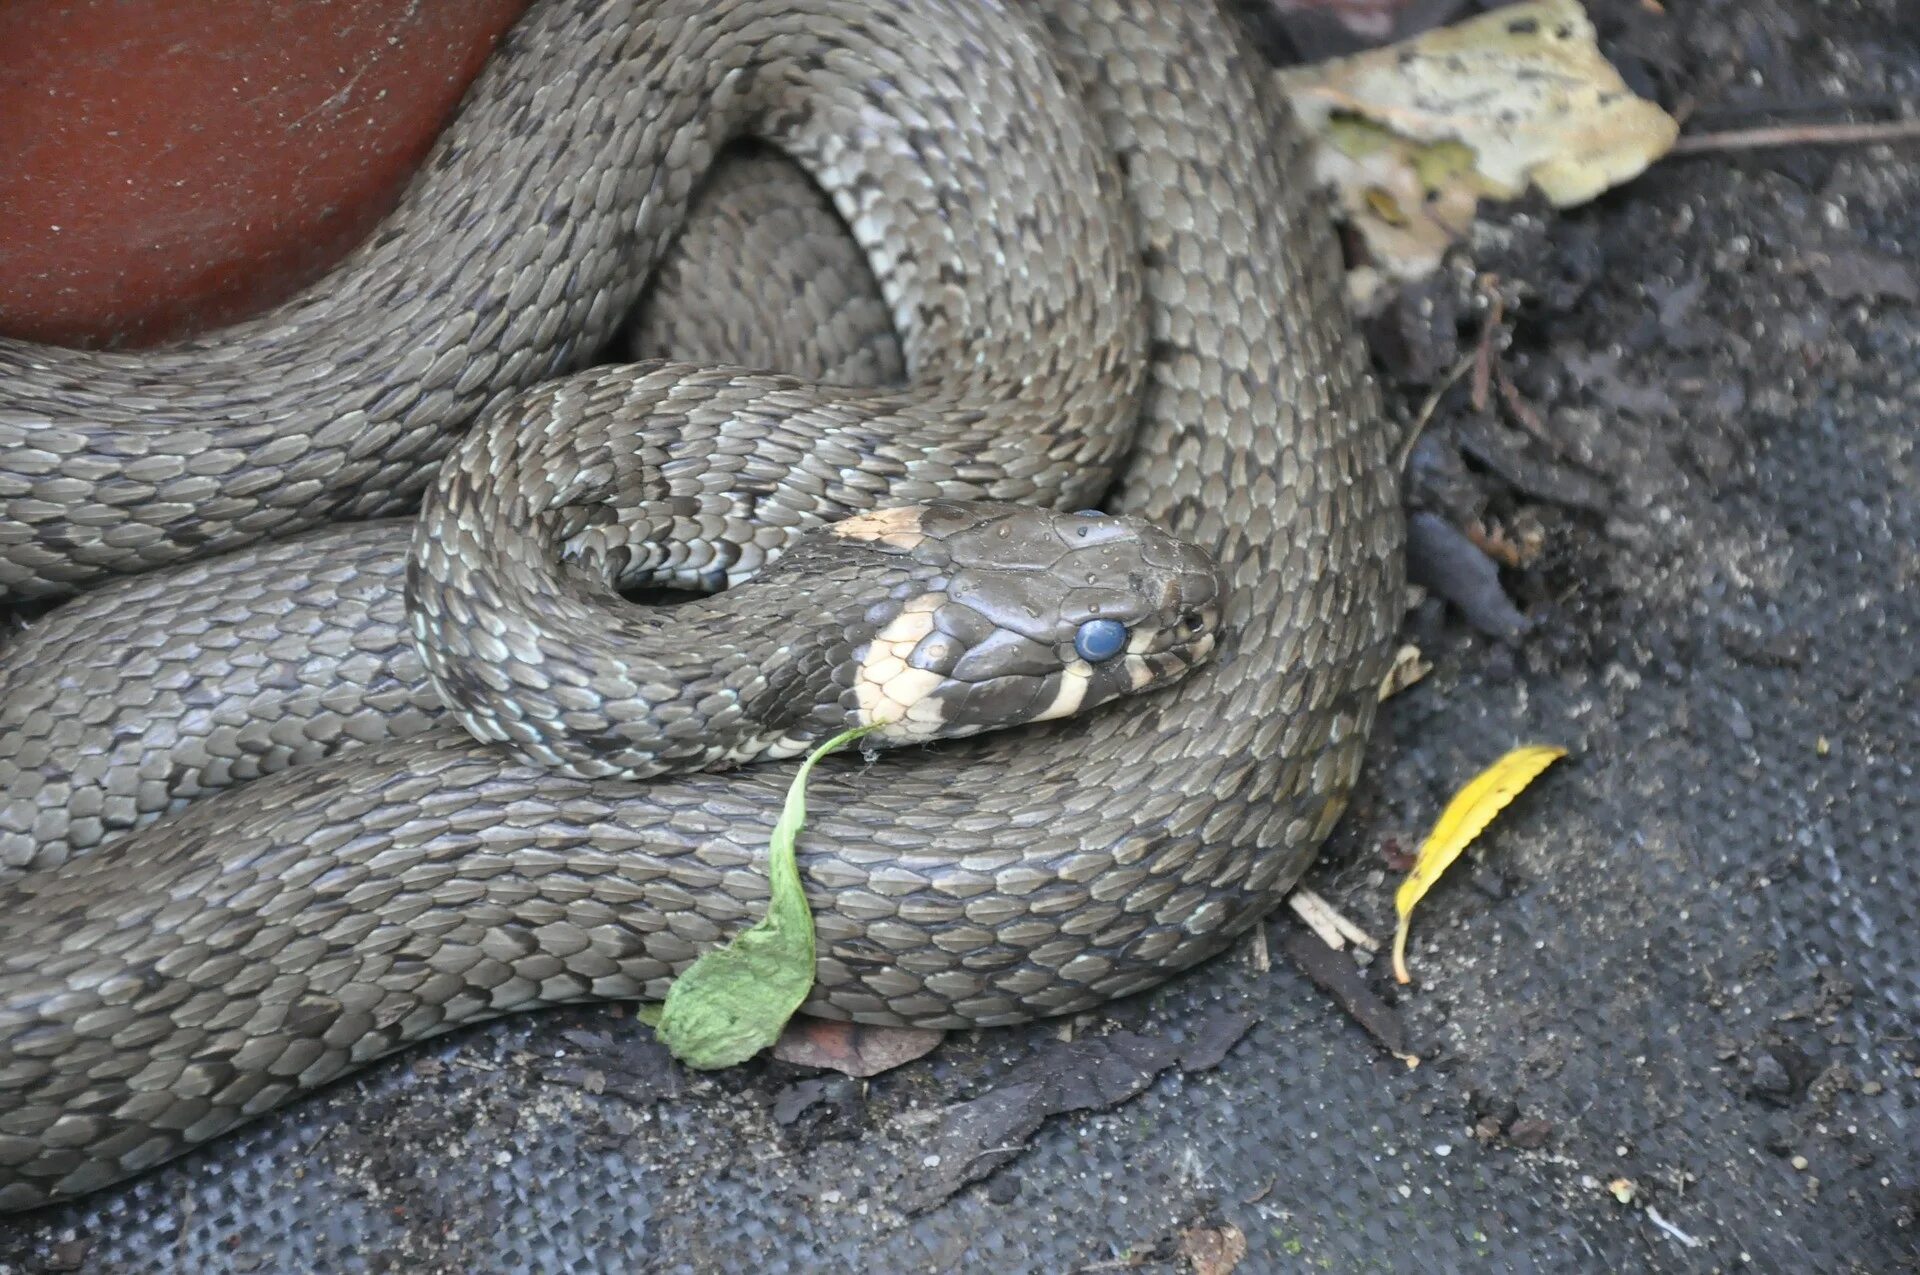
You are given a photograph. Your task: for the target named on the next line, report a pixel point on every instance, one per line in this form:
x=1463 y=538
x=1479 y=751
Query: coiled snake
x=1091 y=227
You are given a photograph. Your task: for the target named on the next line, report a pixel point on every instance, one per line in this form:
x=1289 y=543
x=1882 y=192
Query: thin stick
x=1259 y=959
x=1747 y=139
x=1476 y=360
x=1653 y=1215
x=1433 y=401
x=1483 y=354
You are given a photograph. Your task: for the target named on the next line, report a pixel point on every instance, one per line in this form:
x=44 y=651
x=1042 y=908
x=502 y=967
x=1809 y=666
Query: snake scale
x=1089 y=223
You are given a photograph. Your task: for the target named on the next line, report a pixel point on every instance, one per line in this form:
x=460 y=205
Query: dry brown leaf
x=852 y=1049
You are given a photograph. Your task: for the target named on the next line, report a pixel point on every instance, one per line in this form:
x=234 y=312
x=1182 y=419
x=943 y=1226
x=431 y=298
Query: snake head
x=1008 y=614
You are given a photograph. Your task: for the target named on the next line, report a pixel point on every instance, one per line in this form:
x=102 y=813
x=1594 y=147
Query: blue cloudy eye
x=1100 y=640
x=1089 y=513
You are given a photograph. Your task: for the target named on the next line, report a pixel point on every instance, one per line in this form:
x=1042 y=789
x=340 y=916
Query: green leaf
x=733 y=1001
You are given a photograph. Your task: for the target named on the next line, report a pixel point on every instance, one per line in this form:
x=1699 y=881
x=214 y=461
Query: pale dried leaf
x=1414 y=134
x=1409 y=666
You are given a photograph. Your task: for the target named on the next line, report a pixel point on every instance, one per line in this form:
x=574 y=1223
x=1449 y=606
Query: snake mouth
x=912 y=710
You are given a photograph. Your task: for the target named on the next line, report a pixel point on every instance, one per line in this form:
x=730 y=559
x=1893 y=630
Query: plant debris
x=631 y=1065
x=1864 y=276
x=1335 y=974
x=1208 y=1041
x=1093 y=1073
x=1334 y=929
x=1409 y=666
x=1874 y=132
x=824 y=1108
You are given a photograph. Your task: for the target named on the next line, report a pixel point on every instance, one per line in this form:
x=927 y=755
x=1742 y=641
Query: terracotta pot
x=169 y=167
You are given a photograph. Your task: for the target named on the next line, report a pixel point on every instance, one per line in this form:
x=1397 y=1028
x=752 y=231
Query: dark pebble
x=1529 y=1134
x=1770 y=1081
x=1490 y=882
x=1442 y=558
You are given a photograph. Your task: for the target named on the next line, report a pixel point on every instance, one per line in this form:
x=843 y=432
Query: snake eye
x=1100 y=640
x=1089 y=513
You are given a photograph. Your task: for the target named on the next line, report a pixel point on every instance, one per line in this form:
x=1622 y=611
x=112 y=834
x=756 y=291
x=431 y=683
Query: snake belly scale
x=174 y=977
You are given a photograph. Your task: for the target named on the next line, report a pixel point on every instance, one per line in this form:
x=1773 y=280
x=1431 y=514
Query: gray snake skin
x=1135 y=299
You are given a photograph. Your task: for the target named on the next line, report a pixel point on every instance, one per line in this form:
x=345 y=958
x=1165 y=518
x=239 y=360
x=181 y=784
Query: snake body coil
x=200 y=968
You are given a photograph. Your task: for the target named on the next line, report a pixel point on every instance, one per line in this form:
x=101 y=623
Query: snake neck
x=758 y=672
x=934 y=621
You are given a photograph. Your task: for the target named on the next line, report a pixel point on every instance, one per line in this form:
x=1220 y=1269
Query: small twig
x=1747 y=139
x=1523 y=410
x=1483 y=350
x=1308 y=907
x=1325 y=920
x=1479 y=360
x=1426 y=409
x=1012 y=1146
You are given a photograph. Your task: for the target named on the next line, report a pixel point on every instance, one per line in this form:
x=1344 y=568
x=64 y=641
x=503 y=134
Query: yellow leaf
x=1465 y=817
